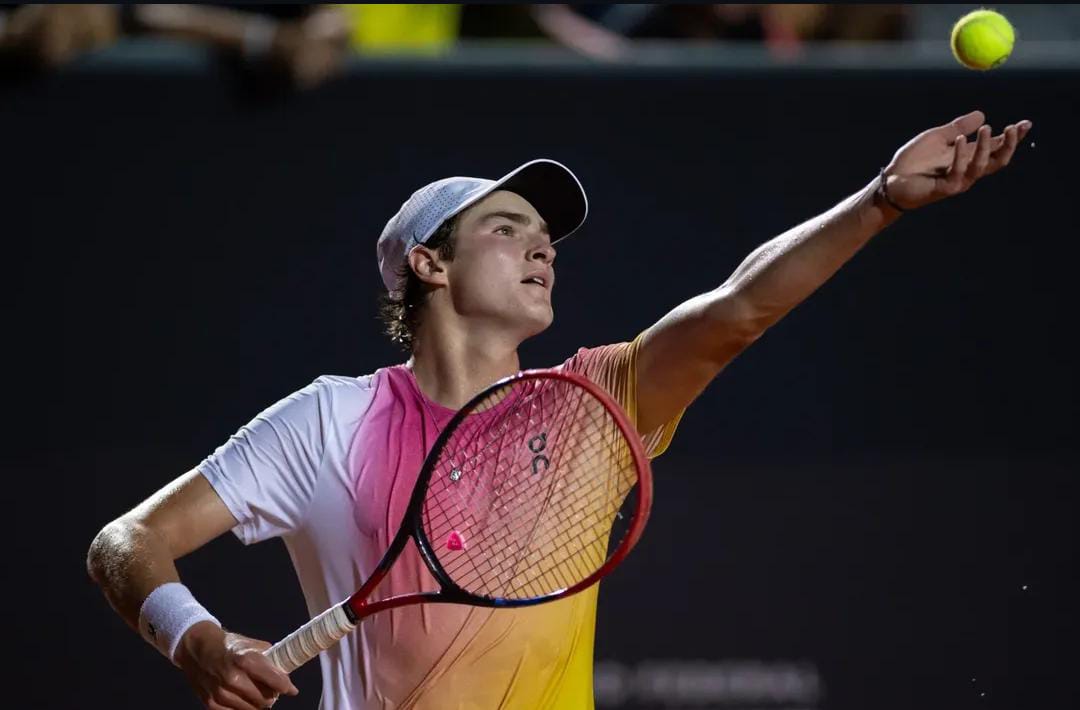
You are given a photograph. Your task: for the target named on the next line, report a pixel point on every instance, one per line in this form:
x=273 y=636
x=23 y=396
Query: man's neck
x=451 y=368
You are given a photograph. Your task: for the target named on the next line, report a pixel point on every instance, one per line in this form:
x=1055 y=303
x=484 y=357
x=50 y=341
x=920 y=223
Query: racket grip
x=311 y=639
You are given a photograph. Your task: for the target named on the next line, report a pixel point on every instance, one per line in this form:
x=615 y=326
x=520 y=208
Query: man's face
x=502 y=268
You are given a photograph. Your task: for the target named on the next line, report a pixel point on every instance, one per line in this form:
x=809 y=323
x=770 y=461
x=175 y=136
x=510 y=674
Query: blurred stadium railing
x=518 y=55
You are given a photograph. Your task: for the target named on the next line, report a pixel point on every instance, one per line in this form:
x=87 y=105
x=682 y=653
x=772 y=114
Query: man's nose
x=544 y=253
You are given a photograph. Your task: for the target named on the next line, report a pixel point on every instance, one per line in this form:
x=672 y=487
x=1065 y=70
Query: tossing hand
x=941 y=162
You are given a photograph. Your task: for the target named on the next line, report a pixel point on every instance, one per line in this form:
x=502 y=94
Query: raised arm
x=689 y=346
x=135 y=555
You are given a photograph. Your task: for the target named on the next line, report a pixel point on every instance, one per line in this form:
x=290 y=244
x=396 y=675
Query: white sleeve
x=266 y=472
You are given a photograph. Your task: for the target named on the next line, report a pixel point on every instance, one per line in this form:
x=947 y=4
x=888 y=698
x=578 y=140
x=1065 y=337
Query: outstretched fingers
x=980 y=158
x=953 y=181
x=1012 y=137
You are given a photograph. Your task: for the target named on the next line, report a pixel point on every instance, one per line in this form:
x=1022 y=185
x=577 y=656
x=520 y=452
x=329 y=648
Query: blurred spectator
x=607 y=31
x=309 y=43
x=300 y=46
x=271 y=47
x=48 y=36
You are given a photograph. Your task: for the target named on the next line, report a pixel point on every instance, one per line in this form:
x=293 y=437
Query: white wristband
x=168 y=612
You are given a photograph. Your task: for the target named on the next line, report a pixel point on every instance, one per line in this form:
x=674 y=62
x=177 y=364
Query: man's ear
x=427 y=265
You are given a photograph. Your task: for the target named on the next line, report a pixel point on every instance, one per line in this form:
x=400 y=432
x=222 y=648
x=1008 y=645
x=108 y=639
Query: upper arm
x=682 y=352
x=185 y=514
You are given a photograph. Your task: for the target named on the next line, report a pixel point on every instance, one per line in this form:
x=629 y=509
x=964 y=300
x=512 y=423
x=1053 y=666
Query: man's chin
x=536 y=324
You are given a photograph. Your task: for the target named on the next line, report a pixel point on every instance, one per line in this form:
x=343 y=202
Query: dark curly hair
x=400 y=314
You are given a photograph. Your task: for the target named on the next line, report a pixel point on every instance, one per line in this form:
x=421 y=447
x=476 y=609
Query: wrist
x=167 y=614
x=872 y=212
x=882 y=199
x=197 y=640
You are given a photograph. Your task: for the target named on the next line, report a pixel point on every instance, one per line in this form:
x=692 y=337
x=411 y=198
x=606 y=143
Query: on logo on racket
x=536 y=445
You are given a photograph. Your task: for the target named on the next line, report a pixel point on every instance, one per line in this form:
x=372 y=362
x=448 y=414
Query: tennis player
x=468 y=265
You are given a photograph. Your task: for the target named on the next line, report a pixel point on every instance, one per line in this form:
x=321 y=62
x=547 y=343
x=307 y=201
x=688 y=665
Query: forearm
x=128 y=561
x=784 y=271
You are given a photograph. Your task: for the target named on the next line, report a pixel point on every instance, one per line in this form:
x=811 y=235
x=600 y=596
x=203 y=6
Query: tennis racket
x=536 y=489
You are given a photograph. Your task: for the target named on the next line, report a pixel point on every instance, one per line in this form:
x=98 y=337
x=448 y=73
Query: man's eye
x=505 y=229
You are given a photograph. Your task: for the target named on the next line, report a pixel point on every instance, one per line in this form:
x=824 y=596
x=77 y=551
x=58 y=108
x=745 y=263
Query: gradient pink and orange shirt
x=330 y=469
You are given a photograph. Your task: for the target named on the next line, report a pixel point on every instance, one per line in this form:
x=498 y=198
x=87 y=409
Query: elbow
x=98 y=553
x=105 y=548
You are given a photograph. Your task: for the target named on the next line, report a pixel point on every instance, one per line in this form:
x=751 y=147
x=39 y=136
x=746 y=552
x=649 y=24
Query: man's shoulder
x=586 y=356
x=346 y=392
x=346 y=382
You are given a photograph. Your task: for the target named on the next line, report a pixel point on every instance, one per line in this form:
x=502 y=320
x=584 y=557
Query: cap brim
x=553 y=191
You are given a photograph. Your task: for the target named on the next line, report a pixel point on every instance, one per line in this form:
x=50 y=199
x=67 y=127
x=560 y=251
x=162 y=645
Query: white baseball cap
x=549 y=187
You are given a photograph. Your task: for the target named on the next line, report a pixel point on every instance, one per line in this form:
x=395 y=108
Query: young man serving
x=469 y=267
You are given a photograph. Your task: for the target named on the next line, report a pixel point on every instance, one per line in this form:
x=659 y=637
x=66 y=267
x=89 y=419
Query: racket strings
x=561 y=570
x=531 y=529
x=560 y=416
x=507 y=480
x=497 y=437
x=478 y=484
x=558 y=536
x=448 y=518
x=564 y=555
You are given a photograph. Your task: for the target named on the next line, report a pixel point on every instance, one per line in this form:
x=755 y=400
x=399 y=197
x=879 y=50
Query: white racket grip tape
x=311 y=639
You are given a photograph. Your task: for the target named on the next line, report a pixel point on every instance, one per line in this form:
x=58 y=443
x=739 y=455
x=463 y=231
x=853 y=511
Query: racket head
x=536 y=489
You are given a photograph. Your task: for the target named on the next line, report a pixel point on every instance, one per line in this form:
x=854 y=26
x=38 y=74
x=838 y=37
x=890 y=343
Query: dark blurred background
x=873 y=507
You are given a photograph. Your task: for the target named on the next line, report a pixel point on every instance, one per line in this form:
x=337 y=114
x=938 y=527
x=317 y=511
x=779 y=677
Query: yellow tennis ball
x=982 y=39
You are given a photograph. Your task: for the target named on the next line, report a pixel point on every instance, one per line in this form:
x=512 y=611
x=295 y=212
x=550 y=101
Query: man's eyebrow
x=518 y=217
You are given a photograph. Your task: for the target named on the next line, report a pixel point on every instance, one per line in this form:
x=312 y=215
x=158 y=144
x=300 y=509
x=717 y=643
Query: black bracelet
x=884 y=193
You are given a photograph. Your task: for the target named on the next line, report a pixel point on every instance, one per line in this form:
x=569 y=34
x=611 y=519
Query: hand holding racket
x=536 y=489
